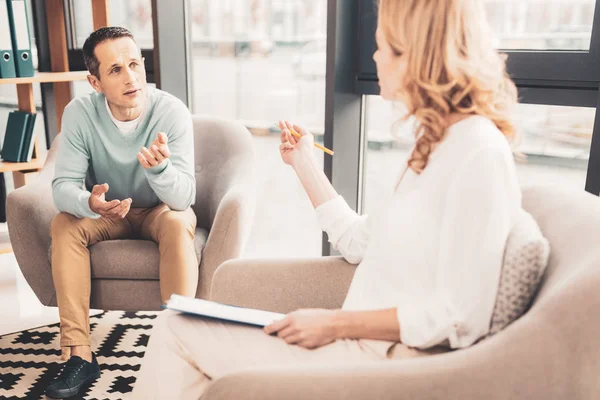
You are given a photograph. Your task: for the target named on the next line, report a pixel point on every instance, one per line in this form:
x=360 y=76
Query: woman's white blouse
x=434 y=248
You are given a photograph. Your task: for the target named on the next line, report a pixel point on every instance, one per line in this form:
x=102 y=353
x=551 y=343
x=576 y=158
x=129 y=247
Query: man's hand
x=114 y=209
x=158 y=152
x=310 y=328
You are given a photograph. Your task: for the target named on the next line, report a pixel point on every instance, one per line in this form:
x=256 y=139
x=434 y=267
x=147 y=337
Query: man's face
x=122 y=73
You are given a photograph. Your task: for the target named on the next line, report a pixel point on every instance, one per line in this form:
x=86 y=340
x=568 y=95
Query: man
x=135 y=144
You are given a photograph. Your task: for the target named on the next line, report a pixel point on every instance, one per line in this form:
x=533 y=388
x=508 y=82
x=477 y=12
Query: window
x=555 y=141
x=135 y=15
x=541 y=25
x=258 y=62
x=553 y=58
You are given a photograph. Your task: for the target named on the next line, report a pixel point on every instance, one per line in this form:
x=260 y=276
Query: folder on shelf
x=2 y=199
x=29 y=140
x=7 y=63
x=14 y=137
x=21 y=41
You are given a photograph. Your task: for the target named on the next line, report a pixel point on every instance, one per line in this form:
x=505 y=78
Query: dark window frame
x=565 y=78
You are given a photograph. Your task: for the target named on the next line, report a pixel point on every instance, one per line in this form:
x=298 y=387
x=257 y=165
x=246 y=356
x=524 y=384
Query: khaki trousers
x=185 y=353
x=71 y=237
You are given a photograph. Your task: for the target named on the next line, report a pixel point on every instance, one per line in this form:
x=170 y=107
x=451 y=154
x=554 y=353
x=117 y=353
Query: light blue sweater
x=91 y=144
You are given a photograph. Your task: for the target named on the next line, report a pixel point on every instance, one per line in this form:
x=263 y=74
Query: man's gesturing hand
x=157 y=153
x=114 y=209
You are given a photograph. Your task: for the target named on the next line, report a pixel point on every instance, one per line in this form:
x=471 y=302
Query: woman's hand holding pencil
x=296 y=143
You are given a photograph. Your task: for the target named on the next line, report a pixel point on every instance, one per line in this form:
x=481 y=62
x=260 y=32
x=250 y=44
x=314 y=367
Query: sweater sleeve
x=347 y=231
x=72 y=163
x=173 y=180
x=481 y=203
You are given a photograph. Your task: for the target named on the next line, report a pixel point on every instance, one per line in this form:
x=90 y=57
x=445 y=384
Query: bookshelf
x=26 y=103
x=61 y=79
x=6 y=166
x=47 y=77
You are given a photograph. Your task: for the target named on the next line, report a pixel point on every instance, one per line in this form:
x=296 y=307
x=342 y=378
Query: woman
x=429 y=258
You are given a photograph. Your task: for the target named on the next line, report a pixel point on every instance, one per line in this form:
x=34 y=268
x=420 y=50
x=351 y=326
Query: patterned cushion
x=525 y=259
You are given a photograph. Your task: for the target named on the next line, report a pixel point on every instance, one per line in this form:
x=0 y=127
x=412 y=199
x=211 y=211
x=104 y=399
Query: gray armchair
x=551 y=353
x=125 y=272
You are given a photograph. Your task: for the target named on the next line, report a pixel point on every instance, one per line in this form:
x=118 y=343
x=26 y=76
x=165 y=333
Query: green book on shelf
x=14 y=137
x=27 y=150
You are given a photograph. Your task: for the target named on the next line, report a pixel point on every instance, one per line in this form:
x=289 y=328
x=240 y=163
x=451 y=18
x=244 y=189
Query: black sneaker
x=76 y=374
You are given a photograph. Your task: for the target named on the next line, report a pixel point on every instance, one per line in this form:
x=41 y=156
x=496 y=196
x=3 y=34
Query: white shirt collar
x=125 y=127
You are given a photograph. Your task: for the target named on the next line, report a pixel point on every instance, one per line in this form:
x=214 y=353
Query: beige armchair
x=125 y=272
x=551 y=353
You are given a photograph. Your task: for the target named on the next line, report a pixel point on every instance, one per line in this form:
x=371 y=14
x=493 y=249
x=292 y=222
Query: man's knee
x=176 y=223
x=61 y=224
x=67 y=227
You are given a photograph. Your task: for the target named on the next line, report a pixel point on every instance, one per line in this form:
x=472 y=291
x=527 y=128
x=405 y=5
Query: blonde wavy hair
x=451 y=68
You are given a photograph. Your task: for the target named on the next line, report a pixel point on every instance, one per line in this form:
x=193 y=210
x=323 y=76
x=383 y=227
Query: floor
x=19 y=307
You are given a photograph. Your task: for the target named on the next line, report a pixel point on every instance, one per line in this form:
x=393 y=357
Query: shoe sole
x=74 y=391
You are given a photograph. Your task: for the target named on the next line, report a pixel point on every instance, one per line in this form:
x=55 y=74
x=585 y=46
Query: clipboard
x=225 y=312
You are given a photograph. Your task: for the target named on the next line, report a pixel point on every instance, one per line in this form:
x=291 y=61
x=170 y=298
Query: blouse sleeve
x=347 y=231
x=481 y=204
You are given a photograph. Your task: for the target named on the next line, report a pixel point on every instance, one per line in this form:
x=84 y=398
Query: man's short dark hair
x=97 y=37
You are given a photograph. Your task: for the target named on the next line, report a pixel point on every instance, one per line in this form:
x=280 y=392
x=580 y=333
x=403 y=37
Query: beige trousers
x=185 y=353
x=71 y=237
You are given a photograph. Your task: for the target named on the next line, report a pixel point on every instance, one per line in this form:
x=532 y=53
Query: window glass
x=555 y=141
x=258 y=61
x=542 y=24
x=135 y=15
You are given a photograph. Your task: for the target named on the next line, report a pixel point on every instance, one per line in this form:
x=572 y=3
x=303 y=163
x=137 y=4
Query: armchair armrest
x=550 y=353
x=283 y=285
x=29 y=211
x=225 y=192
x=228 y=235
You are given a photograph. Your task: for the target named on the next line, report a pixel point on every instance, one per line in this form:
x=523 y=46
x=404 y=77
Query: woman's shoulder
x=474 y=135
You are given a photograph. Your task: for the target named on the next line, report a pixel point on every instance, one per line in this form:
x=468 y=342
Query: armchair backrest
x=47 y=171
x=224 y=157
x=563 y=325
x=570 y=220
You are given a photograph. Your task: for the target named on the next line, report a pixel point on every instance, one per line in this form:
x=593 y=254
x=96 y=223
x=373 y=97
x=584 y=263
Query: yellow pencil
x=325 y=149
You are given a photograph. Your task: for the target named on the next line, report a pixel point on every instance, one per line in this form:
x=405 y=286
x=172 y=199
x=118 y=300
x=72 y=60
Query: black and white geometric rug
x=30 y=360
